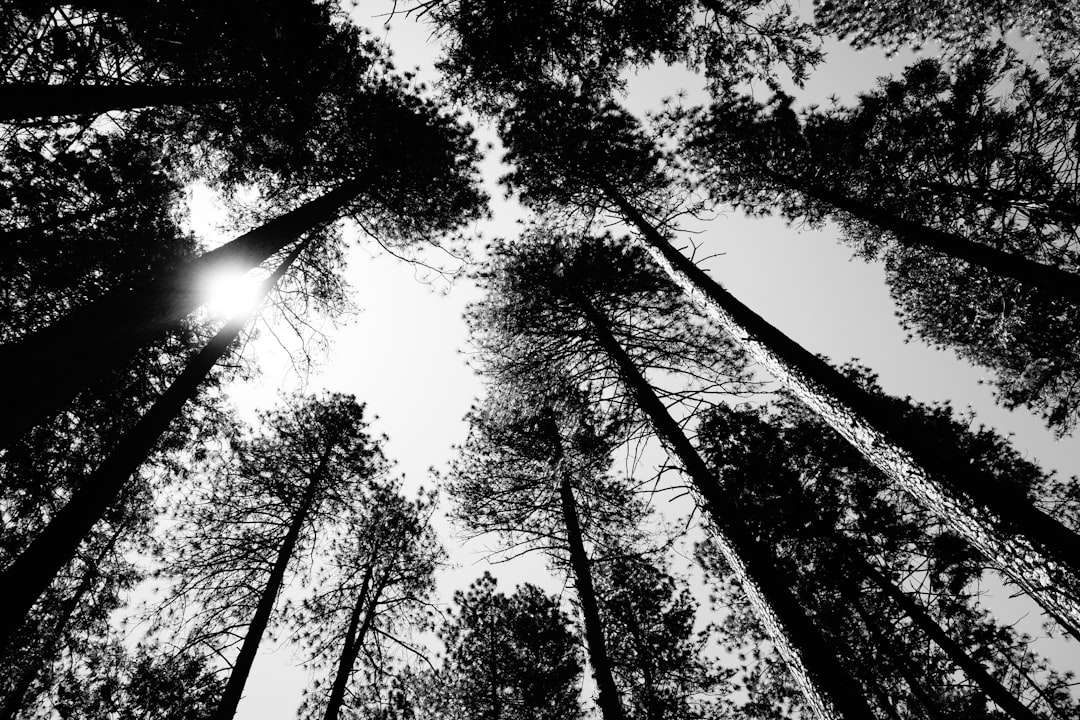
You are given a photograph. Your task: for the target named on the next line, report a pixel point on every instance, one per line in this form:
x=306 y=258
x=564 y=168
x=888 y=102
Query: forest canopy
x=225 y=434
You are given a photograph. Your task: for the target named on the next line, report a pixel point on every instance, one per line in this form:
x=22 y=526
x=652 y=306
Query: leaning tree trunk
x=46 y=369
x=16 y=699
x=34 y=569
x=25 y=101
x=1035 y=551
x=829 y=689
x=234 y=688
x=993 y=689
x=354 y=640
x=607 y=692
x=1051 y=280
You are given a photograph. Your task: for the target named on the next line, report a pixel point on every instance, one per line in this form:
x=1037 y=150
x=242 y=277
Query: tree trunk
x=900 y=664
x=15 y=700
x=922 y=620
x=34 y=569
x=607 y=692
x=234 y=688
x=830 y=691
x=354 y=640
x=1052 y=280
x=24 y=101
x=1037 y=552
x=49 y=367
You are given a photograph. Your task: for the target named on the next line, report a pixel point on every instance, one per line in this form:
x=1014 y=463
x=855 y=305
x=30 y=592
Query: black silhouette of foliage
x=372 y=590
x=153 y=683
x=830 y=516
x=952 y=153
x=301 y=470
x=959 y=25
x=511 y=657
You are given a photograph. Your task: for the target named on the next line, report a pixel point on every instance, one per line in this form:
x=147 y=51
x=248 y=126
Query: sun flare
x=230 y=293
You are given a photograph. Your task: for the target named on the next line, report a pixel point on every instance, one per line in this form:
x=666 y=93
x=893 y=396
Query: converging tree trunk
x=829 y=690
x=46 y=369
x=994 y=690
x=1035 y=551
x=607 y=692
x=34 y=569
x=24 y=101
x=1052 y=280
x=234 y=688
x=354 y=639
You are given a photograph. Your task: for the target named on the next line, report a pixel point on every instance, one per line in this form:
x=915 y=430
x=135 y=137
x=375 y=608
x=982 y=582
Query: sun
x=230 y=293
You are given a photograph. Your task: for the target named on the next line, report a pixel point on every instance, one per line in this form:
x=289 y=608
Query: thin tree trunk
x=45 y=370
x=24 y=101
x=607 y=692
x=34 y=569
x=829 y=690
x=994 y=690
x=1037 y=552
x=234 y=688
x=354 y=641
x=900 y=664
x=1050 y=279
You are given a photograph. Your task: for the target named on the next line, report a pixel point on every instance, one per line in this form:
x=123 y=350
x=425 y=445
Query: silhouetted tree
x=968 y=196
x=373 y=588
x=508 y=657
x=576 y=294
x=883 y=578
x=958 y=24
x=259 y=516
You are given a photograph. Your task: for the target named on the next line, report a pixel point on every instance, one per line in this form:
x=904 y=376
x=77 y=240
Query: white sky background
x=403 y=353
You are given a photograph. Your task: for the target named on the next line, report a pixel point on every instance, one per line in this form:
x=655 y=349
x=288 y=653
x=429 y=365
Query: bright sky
x=403 y=353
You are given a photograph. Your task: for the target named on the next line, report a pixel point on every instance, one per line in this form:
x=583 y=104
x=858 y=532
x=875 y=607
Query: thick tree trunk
x=24 y=101
x=34 y=569
x=1035 y=551
x=1052 y=280
x=16 y=699
x=234 y=688
x=607 y=692
x=354 y=640
x=45 y=370
x=830 y=691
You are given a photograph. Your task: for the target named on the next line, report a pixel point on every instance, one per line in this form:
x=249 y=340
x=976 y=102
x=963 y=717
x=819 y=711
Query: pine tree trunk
x=607 y=691
x=1054 y=281
x=16 y=699
x=24 y=101
x=33 y=570
x=354 y=640
x=971 y=667
x=45 y=370
x=830 y=691
x=234 y=688
x=1035 y=551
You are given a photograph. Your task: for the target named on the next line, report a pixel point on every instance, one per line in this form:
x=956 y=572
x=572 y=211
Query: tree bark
x=1035 y=551
x=46 y=369
x=1052 y=280
x=607 y=692
x=34 y=569
x=830 y=691
x=234 y=688
x=24 y=101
